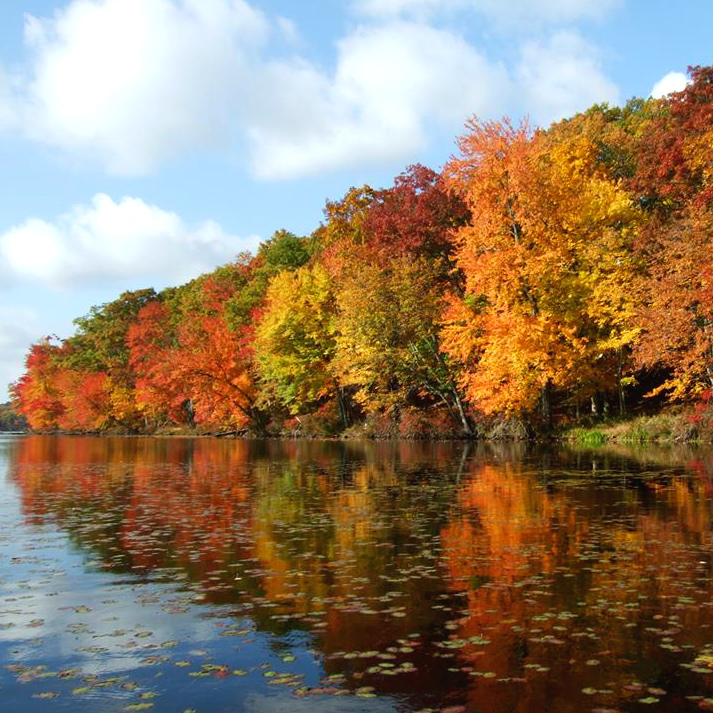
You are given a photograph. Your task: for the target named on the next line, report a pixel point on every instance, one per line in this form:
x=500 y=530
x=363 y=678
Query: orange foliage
x=36 y=393
x=547 y=265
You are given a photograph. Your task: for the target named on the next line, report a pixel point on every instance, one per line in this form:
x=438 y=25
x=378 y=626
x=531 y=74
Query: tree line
x=542 y=275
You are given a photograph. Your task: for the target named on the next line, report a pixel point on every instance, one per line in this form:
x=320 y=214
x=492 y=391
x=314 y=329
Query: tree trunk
x=467 y=429
x=620 y=386
x=190 y=413
x=342 y=407
x=546 y=406
x=461 y=412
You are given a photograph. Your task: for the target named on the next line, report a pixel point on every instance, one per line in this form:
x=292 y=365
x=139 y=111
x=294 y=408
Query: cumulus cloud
x=671 y=82
x=511 y=13
x=130 y=84
x=134 y=82
x=390 y=84
x=115 y=241
x=562 y=76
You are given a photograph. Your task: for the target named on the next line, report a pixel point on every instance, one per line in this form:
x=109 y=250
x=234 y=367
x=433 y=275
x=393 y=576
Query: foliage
x=387 y=343
x=542 y=275
x=295 y=340
x=283 y=252
x=547 y=267
x=10 y=420
x=194 y=373
x=36 y=394
x=677 y=245
x=415 y=217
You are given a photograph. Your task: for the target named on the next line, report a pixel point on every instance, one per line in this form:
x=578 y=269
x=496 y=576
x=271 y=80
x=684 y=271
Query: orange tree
x=547 y=263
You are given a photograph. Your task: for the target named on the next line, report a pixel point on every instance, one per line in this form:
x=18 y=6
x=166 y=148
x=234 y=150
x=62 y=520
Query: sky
x=143 y=142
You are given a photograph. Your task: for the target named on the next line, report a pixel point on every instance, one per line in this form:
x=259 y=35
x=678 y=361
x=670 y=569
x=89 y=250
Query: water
x=219 y=575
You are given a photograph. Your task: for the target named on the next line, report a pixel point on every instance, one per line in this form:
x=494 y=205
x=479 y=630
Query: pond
x=211 y=575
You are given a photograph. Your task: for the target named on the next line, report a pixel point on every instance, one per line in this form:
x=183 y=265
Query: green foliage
x=586 y=436
x=10 y=420
x=99 y=343
x=284 y=251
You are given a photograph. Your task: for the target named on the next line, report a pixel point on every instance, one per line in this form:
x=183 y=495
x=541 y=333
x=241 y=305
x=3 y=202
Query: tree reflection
x=504 y=580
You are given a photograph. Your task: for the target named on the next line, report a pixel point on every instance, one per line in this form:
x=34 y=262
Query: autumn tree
x=210 y=362
x=675 y=184
x=295 y=340
x=86 y=399
x=389 y=254
x=151 y=339
x=284 y=251
x=192 y=368
x=547 y=264
x=387 y=345
x=54 y=395
x=98 y=354
x=415 y=217
x=36 y=394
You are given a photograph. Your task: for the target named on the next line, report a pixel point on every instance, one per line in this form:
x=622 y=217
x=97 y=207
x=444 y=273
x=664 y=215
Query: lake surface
x=273 y=577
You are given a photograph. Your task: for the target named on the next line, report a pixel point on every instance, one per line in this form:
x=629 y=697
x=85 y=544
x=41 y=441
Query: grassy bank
x=664 y=428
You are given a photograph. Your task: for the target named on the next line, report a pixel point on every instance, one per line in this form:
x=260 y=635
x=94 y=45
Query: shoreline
x=662 y=429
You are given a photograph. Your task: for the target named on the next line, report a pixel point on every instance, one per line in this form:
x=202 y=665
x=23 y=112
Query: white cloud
x=131 y=84
x=671 y=82
x=134 y=82
x=391 y=82
x=562 y=76
x=115 y=241
x=509 y=14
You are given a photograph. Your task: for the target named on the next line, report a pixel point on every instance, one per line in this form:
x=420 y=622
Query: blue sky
x=146 y=141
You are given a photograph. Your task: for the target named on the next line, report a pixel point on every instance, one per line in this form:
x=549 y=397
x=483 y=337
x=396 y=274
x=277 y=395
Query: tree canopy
x=541 y=272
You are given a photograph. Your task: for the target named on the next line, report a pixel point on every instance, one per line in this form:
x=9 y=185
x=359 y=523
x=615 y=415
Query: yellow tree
x=390 y=257
x=547 y=266
x=388 y=347
x=295 y=339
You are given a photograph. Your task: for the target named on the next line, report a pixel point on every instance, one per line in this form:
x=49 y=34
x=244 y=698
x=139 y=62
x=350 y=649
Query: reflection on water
x=180 y=574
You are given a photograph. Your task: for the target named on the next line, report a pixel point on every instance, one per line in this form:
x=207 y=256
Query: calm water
x=178 y=575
